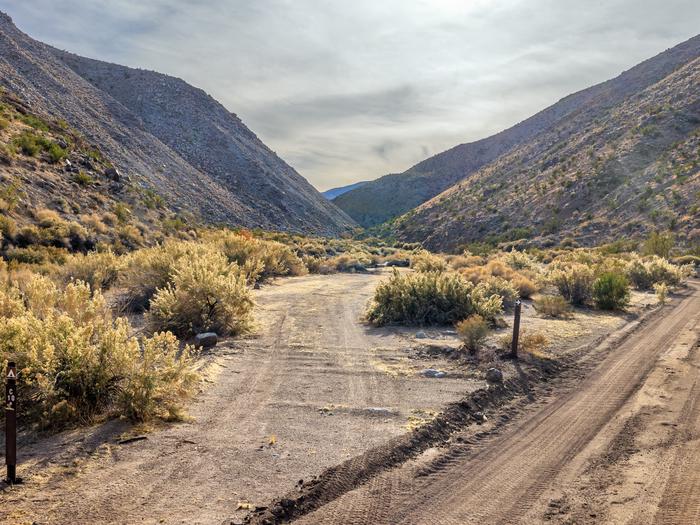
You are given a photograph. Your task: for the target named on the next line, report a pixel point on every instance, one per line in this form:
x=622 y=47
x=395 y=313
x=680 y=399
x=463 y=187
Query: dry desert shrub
x=644 y=272
x=423 y=298
x=472 y=331
x=263 y=259
x=573 y=280
x=424 y=261
x=553 y=306
x=76 y=362
x=206 y=293
x=529 y=342
x=99 y=269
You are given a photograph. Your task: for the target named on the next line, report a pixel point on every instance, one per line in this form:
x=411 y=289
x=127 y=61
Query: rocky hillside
x=600 y=174
x=59 y=191
x=168 y=137
x=395 y=194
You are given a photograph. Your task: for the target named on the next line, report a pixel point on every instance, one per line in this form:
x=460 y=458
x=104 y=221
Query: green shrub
x=574 y=282
x=28 y=143
x=83 y=179
x=473 y=331
x=553 y=306
x=56 y=153
x=35 y=122
x=205 y=294
x=611 y=291
x=122 y=212
x=423 y=298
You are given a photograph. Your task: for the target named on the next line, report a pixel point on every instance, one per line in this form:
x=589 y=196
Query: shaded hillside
x=335 y=192
x=393 y=195
x=168 y=136
x=629 y=170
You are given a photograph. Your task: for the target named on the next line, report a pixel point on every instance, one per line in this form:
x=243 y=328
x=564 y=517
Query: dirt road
x=309 y=391
x=577 y=458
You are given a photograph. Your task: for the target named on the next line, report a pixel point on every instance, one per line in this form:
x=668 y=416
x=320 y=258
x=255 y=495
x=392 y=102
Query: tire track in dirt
x=680 y=504
x=498 y=483
x=311 y=352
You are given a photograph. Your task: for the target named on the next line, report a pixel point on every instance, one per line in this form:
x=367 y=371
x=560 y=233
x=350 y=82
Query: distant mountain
x=335 y=192
x=392 y=195
x=168 y=136
x=605 y=172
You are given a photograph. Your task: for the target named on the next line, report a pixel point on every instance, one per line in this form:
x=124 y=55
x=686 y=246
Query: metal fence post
x=516 y=330
x=11 y=423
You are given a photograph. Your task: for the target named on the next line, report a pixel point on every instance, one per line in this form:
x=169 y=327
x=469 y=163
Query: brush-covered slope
x=393 y=195
x=168 y=136
x=633 y=168
x=59 y=191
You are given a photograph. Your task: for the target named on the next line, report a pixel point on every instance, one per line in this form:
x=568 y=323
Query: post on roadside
x=516 y=330
x=11 y=423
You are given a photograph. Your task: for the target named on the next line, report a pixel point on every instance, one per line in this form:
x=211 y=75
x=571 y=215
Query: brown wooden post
x=516 y=330
x=11 y=423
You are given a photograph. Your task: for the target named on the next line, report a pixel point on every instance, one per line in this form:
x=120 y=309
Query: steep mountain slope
x=168 y=136
x=59 y=191
x=392 y=195
x=621 y=173
x=335 y=192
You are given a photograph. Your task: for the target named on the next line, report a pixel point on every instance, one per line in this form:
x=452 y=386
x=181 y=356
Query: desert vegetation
x=472 y=291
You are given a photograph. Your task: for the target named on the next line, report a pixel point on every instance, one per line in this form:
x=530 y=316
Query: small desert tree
x=659 y=244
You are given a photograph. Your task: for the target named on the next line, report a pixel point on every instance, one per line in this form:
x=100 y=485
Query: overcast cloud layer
x=352 y=90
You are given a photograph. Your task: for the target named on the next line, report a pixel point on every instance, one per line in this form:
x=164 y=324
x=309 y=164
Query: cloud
x=348 y=91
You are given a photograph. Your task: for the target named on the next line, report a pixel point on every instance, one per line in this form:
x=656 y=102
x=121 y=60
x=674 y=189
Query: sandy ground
x=313 y=388
x=614 y=444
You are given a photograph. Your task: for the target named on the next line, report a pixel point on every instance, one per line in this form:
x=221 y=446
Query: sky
x=351 y=90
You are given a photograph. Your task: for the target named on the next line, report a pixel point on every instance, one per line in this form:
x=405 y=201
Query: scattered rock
x=494 y=375
x=113 y=173
x=206 y=340
x=126 y=441
x=480 y=417
x=379 y=411
x=421 y=335
x=432 y=372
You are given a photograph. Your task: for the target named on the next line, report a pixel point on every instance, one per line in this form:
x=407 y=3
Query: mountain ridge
x=394 y=194
x=220 y=172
